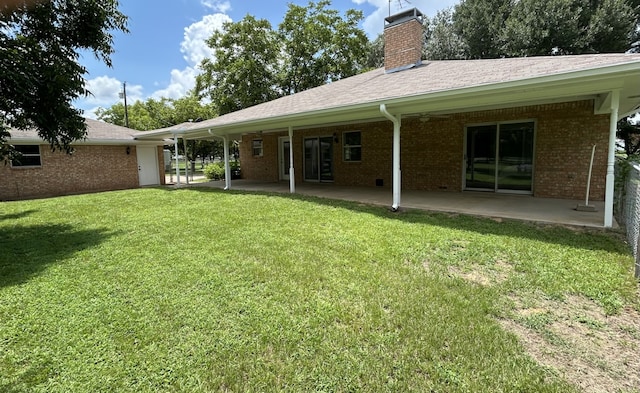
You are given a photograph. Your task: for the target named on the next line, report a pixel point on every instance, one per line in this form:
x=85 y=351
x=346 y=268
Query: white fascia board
x=159 y=135
x=87 y=142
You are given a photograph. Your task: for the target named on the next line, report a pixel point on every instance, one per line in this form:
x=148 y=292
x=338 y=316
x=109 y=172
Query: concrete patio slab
x=485 y=204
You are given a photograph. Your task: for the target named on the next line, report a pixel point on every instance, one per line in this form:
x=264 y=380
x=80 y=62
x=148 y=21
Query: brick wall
x=89 y=169
x=433 y=151
x=403 y=44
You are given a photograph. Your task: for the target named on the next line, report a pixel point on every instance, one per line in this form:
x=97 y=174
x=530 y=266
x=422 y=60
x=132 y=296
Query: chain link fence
x=627 y=202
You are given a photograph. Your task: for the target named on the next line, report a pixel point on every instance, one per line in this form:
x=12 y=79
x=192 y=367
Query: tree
x=320 y=46
x=615 y=27
x=479 y=24
x=375 y=53
x=244 y=70
x=629 y=133
x=39 y=70
x=253 y=63
x=165 y=112
x=557 y=27
x=442 y=40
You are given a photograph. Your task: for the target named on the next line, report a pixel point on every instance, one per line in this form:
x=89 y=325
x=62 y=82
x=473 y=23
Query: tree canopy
x=165 y=112
x=158 y=113
x=244 y=70
x=253 y=63
x=510 y=28
x=39 y=70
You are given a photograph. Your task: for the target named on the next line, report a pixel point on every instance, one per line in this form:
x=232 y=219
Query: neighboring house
x=517 y=125
x=108 y=159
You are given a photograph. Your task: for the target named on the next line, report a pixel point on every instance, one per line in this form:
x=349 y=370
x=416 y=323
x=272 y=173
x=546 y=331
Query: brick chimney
x=403 y=38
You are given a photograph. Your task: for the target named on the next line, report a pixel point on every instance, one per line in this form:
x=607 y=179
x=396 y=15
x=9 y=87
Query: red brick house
x=108 y=159
x=518 y=125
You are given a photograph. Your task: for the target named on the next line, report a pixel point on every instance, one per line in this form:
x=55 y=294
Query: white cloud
x=181 y=83
x=194 y=46
x=194 y=49
x=91 y=113
x=217 y=5
x=374 y=23
x=106 y=90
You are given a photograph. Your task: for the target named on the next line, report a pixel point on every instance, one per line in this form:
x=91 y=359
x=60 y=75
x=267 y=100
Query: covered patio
x=485 y=204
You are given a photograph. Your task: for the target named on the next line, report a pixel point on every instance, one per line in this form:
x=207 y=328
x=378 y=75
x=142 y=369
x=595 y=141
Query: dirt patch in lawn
x=596 y=352
x=484 y=275
x=573 y=337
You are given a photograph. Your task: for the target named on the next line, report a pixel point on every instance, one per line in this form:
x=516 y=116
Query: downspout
x=292 y=177
x=175 y=144
x=396 y=156
x=610 y=182
x=227 y=167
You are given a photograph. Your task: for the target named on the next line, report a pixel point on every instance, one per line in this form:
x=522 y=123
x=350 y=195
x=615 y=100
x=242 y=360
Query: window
x=352 y=146
x=257 y=147
x=29 y=156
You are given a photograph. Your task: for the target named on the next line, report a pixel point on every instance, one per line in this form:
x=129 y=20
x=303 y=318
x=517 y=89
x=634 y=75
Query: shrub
x=214 y=171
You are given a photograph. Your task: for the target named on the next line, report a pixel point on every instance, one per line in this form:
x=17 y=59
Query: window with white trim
x=352 y=146
x=256 y=146
x=29 y=156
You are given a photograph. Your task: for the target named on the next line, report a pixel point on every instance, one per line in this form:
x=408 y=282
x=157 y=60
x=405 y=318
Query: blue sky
x=159 y=57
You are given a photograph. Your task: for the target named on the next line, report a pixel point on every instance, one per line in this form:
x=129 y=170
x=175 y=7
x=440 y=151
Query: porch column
x=609 y=190
x=292 y=175
x=397 y=175
x=227 y=167
x=175 y=145
x=186 y=161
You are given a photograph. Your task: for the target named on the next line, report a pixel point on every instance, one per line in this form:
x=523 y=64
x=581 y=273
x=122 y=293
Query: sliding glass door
x=499 y=157
x=318 y=159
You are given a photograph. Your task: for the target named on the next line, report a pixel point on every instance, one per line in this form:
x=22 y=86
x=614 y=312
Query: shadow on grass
x=26 y=251
x=15 y=216
x=589 y=239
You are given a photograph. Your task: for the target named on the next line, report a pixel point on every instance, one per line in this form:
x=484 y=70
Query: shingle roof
x=431 y=77
x=97 y=131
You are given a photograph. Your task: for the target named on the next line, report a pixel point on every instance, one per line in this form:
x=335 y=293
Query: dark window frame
x=28 y=157
x=257 y=150
x=351 y=152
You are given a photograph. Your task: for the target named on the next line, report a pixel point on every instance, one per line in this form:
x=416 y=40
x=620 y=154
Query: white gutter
x=396 y=156
x=609 y=190
x=227 y=167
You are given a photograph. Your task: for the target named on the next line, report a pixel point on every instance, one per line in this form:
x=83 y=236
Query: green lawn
x=200 y=290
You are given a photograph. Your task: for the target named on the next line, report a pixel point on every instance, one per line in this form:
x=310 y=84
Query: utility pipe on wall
x=609 y=190
x=396 y=156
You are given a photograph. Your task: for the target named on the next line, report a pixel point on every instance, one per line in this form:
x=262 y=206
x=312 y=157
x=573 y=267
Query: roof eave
x=580 y=84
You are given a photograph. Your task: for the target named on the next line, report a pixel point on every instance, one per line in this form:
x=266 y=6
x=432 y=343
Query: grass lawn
x=200 y=290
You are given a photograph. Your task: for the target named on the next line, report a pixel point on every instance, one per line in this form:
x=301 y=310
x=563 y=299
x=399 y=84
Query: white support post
x=186 y=161
x=227 y=167
x=175 y=144
x=397 y=175
x=292 y=174
x=610 y=182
